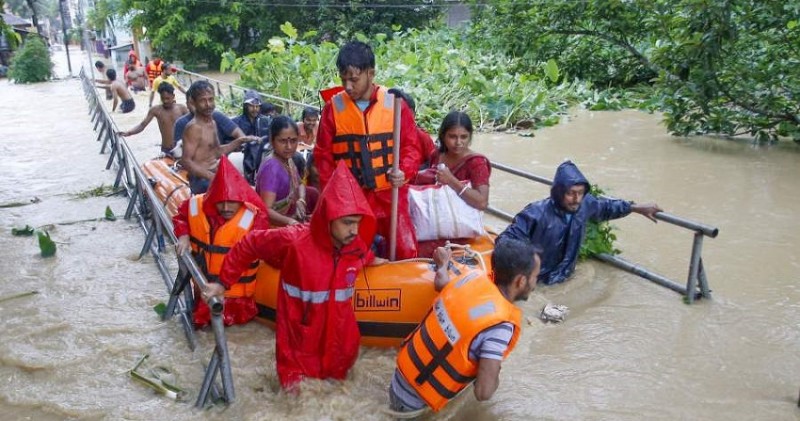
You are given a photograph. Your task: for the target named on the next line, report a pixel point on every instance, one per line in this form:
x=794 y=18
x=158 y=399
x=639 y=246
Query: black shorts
x=127 y=105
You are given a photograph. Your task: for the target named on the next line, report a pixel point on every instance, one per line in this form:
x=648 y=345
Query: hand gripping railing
x=697 y=273
x=145 y=205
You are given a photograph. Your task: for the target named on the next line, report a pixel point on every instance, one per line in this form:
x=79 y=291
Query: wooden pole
x=395 y=190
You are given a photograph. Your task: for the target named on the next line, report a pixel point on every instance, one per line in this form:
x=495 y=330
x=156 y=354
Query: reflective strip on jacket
x=435 y=358
x=214 y=250
x=363 y=140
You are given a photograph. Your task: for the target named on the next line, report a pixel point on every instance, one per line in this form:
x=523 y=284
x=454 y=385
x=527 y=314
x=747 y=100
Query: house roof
x=14 y=20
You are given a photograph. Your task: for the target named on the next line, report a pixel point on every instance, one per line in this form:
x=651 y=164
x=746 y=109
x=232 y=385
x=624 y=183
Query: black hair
x=512 y=257
x=111 y=74
x=355 y=54
x=199 y=86
x=406 y=97
x=279 y=123
x=309 y=112
x=99 y=64
x=267 y=107
x=451 y=120
x=165 y=66
x=166 y=87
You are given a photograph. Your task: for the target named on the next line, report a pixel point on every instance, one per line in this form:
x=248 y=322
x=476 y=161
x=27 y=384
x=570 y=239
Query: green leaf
x=551 y=70
x=160 y=309
x=289 y=30
x=791 y=24
x=26 y=231
x=110 y=214
x=46 y=245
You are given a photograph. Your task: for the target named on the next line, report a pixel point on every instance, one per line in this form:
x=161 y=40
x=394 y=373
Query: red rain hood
x=342 y=197
x=229 y=185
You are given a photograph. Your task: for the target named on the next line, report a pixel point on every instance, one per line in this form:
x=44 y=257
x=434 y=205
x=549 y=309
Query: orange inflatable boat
x=390 y=300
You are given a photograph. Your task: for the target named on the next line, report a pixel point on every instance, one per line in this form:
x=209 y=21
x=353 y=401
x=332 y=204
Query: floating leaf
x=26 y=231
x=110 y=214
x=46 y=245
x=160 y=309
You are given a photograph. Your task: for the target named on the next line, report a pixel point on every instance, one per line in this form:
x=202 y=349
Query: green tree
x=201 y=30
x=31 y=63
x=727 y=67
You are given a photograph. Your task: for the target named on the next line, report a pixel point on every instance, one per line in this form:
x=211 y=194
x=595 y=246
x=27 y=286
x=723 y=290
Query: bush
x=31 y=63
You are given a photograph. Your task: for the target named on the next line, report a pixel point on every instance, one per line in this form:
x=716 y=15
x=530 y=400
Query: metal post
x=111 y=160
x=395 y=190
x=224 y=361
x=132 y=202
x=644 y=273
x=151 y=232
x=694 y=266
x=701 y=276
x=63 y=8
x=208 y=381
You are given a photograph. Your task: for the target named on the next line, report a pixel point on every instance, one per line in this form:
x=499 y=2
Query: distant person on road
x=558 y=223
x=165 y=114
x=120 y=93
x=168 y=77
x=201 y=145
x=101 y=68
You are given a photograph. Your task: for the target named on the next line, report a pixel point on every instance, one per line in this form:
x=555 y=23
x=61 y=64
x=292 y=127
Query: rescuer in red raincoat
x=209 y=224
x=316 y=330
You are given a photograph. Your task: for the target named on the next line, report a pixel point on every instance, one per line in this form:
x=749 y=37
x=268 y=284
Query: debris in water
x=161 y=379
x=110 y=214
x=20 y=295
x=26 y=231
x=46 y=245
x=554 y=313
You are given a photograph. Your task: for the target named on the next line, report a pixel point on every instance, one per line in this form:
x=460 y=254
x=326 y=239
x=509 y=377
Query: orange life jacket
x=214 y=250
x=434 y=359
x=153 y=70
x=364 y=139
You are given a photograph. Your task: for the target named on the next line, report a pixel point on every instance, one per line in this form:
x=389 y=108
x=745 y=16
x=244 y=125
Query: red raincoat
x=316 y=329
x=380 y=202
x=227 y=185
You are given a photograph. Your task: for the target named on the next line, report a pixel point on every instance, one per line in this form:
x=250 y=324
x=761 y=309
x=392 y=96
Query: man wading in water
x=119 y=91
x=165 y=114
x=201 y=147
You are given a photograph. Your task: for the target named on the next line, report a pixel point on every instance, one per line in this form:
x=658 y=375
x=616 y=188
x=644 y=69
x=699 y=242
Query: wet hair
x=111 y=74
x=166 y=87
x=197 y=87
x=355 y=54
x=512 y=257
x=99 y=64
x=266 y=108
x=309 y=112
x=279 y=123
x=451 y=120
x=406 y=97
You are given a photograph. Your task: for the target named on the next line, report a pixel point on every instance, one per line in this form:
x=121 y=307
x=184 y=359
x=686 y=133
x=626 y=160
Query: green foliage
x=31 y=63
x=198 y=31
x=101 y=190
x=160 y=309
x=729 y=67
x=441 y=69
x=46 y=245
x=600 y=236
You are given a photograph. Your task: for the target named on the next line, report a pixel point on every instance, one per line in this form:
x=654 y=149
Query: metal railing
x=151 y=215
x=233 y=95
x=697 y=274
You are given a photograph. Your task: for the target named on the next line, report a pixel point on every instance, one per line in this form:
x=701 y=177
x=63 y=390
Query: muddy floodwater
x=629 y=350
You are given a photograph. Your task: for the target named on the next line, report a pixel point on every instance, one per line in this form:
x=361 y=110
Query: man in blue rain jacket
x=558 y=223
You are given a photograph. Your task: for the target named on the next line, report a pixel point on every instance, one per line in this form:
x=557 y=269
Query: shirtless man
x=165 y=114
x=201 y=147
x=120 y=92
